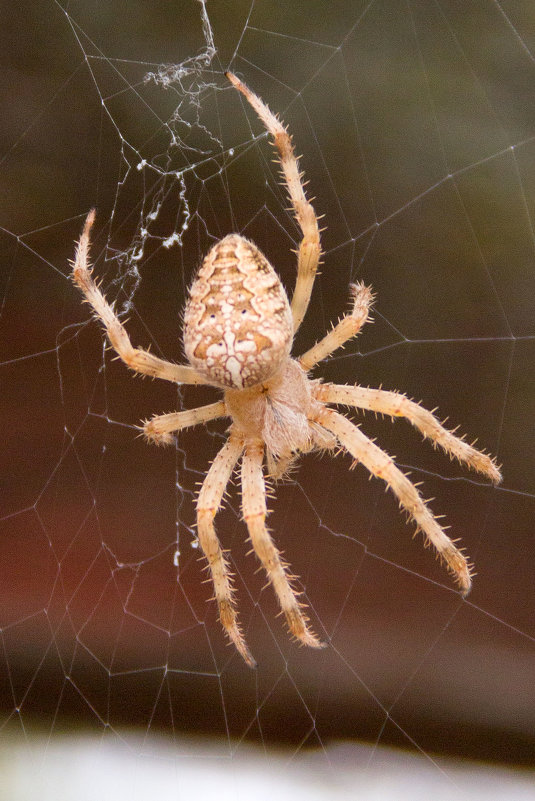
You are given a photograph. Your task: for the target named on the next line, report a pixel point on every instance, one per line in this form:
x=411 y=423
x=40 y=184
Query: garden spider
x=238 y=332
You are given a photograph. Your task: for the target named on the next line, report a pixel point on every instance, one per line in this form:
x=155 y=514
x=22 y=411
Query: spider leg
x=346 y=328
x=208 y=503
x=381 y=465
x=309 y=249
x=137 y=359
x=254 y=513
x=160 y=427
x=395 y=404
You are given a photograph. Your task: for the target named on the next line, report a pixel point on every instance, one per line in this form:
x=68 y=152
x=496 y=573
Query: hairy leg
x=309 y=249
x=346 y=328
x=395 y=404
x=159 y=429
x=137 y=359
x=381 y=465
x=254 y=513
x=208 y=503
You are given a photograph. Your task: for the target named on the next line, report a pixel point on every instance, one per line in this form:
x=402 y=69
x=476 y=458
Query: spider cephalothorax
x=238 y=332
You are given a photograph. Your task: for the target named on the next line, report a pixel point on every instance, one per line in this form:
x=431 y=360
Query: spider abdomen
x=237 y=322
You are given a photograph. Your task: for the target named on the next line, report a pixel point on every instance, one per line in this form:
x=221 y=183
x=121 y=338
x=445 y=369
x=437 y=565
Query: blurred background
x=416 y=125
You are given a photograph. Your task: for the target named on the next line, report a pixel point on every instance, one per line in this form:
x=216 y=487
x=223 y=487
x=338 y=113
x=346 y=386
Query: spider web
x=416 y=125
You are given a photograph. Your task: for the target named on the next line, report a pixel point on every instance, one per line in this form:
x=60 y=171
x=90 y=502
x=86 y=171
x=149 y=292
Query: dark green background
x=416 y=123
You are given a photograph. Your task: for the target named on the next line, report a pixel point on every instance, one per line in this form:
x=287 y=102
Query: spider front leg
x=346 y=328
x=309 y=252
x=137 y=359
x=395 y=404
x=254 y=513
x=381 y=465
x=208 y=504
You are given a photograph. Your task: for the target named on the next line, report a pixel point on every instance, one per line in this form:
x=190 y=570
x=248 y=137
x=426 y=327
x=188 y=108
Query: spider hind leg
x=137 y=359
x=309 y=251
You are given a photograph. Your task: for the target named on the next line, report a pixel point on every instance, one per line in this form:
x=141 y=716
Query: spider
x=238 y=331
